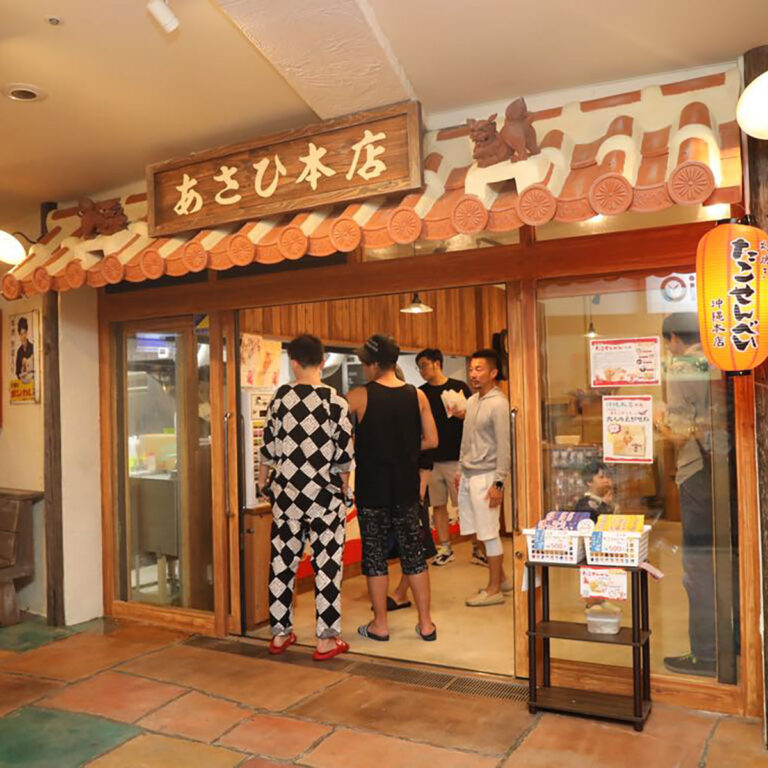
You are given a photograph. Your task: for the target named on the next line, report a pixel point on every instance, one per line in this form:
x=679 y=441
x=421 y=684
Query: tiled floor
x=120 y=696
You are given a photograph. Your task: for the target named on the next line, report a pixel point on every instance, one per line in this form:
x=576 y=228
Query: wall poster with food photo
x=628 y=429
x=625 y=362
x=24 y=358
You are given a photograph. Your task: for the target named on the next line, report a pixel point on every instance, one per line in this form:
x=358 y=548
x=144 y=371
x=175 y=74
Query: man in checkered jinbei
x=307 y=441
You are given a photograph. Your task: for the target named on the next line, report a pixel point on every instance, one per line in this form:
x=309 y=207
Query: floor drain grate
x=402 y=675
x=489 y=689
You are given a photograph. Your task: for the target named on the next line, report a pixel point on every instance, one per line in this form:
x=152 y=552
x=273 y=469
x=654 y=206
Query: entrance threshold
x=477 y=684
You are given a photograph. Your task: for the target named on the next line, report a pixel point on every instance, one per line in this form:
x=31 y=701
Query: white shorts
x=441 y=486
x=475 y=514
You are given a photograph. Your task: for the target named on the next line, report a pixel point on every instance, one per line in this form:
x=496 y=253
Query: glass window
x=678 y=471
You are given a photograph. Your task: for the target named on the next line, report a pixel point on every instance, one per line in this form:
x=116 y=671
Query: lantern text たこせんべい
x=732 y=286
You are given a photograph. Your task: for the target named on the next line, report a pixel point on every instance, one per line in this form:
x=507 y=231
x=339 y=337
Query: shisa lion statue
x=516 y=140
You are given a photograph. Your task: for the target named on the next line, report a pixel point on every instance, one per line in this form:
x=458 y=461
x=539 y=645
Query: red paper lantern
x=732 y=286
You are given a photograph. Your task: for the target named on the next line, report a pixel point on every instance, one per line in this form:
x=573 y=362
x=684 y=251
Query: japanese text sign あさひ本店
x=377 y=152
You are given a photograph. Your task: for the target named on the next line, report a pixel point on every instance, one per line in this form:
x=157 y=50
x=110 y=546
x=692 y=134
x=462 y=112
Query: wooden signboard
x=377 y=152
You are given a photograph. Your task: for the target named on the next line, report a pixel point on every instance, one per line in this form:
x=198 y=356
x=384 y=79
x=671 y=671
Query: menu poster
x=259 y=361
x=628 y=429
x=609 y=583
x=24 y=349
x=625 y=362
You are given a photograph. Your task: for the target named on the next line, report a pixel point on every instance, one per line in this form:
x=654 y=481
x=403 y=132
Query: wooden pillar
x=54 y=541
x=755 y=63
x=52 y=505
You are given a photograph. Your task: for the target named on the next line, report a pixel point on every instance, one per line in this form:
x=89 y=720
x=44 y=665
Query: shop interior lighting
x=416 y=307
x=11 y=250
x=591 y=332
x=161 y=12
x=751 y=111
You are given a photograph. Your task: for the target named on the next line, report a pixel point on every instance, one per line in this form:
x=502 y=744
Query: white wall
x=80 y=452
x=21 y=450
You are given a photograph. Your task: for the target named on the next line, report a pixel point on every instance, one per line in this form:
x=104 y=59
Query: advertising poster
x=609 y=583
x=24 y=360
x=625 y=362
x=628 y=429
x=259 y=361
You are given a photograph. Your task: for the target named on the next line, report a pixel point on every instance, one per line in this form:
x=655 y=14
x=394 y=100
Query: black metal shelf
x=634 y=708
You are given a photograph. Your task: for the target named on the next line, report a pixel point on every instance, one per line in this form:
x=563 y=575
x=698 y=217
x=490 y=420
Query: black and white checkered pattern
x=307 y=439
x=326 y=538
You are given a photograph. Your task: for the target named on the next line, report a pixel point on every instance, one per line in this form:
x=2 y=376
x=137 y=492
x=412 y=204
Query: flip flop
x=278 y=649
x=395 y=606
x=363 y=631
x=430 y=636
x=341 y=647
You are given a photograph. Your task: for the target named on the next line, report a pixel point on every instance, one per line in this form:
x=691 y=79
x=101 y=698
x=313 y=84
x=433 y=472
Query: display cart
x=633 y=708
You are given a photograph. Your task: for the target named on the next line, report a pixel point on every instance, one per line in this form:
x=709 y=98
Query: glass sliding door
x=164 y=511
x=607 y=345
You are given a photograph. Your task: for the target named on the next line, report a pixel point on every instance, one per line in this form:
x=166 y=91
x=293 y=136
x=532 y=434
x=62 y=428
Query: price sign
x=610 y=542
x=552 y=540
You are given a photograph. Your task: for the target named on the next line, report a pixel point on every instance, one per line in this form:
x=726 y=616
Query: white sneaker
x=444 y=556
x=482 y=598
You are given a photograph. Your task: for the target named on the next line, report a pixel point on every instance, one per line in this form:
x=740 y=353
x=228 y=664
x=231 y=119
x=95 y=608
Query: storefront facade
x=652 y=163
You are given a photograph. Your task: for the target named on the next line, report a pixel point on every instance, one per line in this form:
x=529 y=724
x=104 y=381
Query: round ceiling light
x=23 y=92
x=54 y=21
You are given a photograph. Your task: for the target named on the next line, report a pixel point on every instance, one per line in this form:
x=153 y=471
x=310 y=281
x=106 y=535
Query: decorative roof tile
x=640 y=151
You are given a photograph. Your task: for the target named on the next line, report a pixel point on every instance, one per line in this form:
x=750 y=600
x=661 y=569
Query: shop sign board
x=625 y=362
x=377 y=152
x=628 y=429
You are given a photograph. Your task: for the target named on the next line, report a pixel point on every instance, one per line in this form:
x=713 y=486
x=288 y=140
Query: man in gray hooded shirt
x=484 y=463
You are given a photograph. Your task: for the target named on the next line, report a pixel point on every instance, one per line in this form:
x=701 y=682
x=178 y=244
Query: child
x=598 y=500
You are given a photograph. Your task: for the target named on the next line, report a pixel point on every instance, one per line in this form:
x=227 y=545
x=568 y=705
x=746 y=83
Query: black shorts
x=375 y=525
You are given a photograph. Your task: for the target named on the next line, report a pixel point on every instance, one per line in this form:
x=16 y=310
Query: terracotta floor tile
x=581 y=743
x=737 y=744
x=16 y=691
x=78 y=656
x=146 y=634
x=260 y=762
x=396 y=709
x=195 y=716
x=255 y=682
x=352 y=749
x=280 y=737
x=152 y=751
x=113 y=695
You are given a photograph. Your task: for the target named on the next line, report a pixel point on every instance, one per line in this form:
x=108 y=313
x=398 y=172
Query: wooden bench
x=17 y=549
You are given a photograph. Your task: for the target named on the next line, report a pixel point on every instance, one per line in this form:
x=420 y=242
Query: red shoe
x=277 y=649
x=341 y=647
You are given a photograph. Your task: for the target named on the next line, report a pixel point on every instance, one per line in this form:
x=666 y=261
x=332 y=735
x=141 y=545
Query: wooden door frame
x=662 y=248
x=187 y=619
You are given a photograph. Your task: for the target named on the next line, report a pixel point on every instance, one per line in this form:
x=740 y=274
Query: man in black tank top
x=394 y=424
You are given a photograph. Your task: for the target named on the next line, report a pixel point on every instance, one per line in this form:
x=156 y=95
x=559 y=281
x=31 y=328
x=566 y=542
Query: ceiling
x=122 y=93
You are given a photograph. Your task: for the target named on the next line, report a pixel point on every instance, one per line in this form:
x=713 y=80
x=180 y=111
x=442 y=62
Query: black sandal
x=364 y=631
x=392 y=605
x=430 y=636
